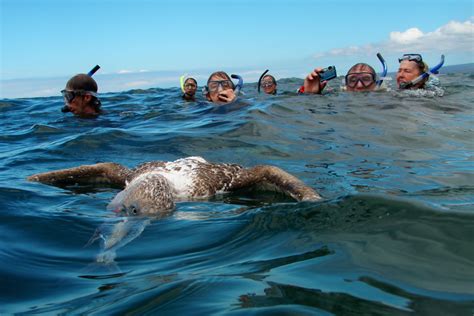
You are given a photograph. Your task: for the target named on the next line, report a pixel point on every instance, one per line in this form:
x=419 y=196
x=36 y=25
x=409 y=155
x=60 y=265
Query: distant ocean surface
x=394 y=234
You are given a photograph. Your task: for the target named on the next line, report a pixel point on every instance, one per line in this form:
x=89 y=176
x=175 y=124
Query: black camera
x=328 y=73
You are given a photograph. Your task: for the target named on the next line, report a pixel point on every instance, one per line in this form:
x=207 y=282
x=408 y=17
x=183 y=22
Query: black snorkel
x=93 y=70
x=432 y=71
x=384 y=71
x=260 y=80
x=66 y=108
x=239 y=85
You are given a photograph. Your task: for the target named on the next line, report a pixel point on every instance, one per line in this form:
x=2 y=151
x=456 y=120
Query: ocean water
x=394 y=234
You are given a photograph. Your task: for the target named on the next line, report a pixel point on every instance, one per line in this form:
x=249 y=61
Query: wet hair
x=83 y=82
x=362 y=65
x=191 y=79
x=271 y=77
x=219 y=74
x=422 y=67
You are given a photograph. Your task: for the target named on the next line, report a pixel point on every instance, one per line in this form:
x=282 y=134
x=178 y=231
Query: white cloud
x=454 y=36
x=407 y=37
x=128 y=71
x=454 y=27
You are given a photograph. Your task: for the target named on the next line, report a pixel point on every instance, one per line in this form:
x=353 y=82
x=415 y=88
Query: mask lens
x=351 y=80
x=365 y=78
x=267 y=84
x=190 y=86
x=225 y=84
x=68 y=95
x=213 y=85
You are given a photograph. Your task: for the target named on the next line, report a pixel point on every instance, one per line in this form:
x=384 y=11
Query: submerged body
x=152 y=188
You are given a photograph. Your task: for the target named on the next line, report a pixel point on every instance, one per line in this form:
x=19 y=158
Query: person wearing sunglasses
x=80 y=96
x=360 y=77
x=268 y=84
x=220 y=88
x=411 y=68
x=189 y=89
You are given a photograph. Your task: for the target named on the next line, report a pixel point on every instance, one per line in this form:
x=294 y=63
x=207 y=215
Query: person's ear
x=88 y=98
x=205 y=92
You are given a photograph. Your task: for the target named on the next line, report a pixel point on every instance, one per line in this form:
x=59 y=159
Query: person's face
x=360 y=79
x=190 y=87
x=220 y=89
x=408 y=71
x=79 y=104
x=267 y=85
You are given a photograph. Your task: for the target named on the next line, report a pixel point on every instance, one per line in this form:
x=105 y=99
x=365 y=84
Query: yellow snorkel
x=181 y=81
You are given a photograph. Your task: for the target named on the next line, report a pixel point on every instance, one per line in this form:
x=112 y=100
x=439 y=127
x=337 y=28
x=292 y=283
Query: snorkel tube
x=181 y=82
x=260 y=80
x=384 y=71
x=91 y=72
x=239 y=85
x=432 y=71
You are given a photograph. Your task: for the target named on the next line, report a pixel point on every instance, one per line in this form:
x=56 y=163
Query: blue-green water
x=393 y=236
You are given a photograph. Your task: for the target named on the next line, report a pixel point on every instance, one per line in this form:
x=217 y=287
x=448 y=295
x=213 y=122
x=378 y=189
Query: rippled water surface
x=393 y=236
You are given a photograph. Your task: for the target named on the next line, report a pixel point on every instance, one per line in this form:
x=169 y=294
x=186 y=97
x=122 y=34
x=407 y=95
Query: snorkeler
x=268 y=83
x=220 y=89
x=360 y=77
x=413 y=72
x=189 y=87
x=80 y=95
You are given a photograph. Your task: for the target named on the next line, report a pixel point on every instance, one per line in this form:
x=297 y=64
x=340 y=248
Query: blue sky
x=140 y=44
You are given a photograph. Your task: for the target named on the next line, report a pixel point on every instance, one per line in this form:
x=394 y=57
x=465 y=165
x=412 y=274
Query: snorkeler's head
x=80 y=96
x=82 y=82
x=219 y=88
x=219 y=75
x=268 y=84
x=360 y=77
x=411 y=67
x=190 y=86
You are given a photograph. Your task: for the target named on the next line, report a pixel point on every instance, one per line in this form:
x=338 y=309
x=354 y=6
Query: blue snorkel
x=384 y=71
x=260 y=80
x=432 y=71
x=239 y=85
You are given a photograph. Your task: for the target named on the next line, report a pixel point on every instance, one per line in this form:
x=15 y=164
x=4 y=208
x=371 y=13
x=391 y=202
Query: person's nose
x=359 y=84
